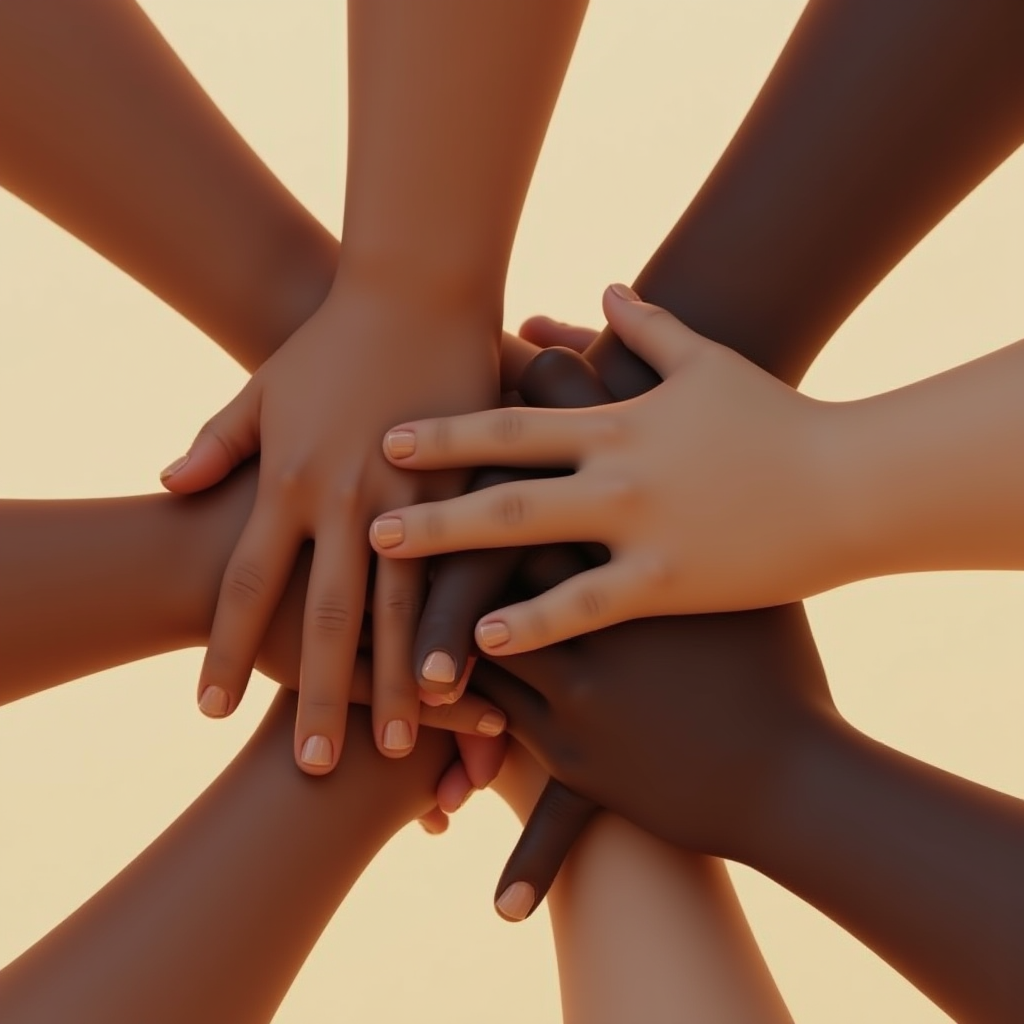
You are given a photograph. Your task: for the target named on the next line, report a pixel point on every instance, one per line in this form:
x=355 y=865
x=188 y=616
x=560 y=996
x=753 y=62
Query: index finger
x=513 y=436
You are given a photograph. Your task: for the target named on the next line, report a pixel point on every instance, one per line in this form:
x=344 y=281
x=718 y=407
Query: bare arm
x=644 y=930
x=213 y=921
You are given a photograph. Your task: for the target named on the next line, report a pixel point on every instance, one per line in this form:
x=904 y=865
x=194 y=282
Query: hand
x=316 y=408
x=688 y=727
x=213 y=521
x=710 y=491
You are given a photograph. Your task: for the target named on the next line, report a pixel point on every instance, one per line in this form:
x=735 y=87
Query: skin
x=213 y=921
x=303 y=843
x=745 y=757
x=697 y=961
x=412 y=322
x=225 y=243
x=793 y=228
x=795 y=496
x=895 y=211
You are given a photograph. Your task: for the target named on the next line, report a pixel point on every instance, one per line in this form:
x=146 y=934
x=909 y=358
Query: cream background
x=100 y=386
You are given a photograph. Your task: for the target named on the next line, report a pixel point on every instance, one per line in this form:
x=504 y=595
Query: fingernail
x=397 y=735
x=430 y=830
x=400 y=443
x=491 y=724
x=462 y=803
x=173 y=468
x=623 y=291
x=317 y=752
x=438 y=667
x=516 y=902
x=493 y=634
x=214 y=702
x=388 y=532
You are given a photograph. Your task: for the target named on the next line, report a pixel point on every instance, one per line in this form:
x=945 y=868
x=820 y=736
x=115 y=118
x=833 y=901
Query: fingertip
x=516 y=902
x=400 y=443
x=492 y=635
x=397 y=738
x=215 y=702
x=387 y=531
x=621 y=293
x=317 y=755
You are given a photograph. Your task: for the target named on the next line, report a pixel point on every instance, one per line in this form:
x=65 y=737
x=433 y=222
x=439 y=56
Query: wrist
x=854 y=494
x=201 y=532
x=432 y=281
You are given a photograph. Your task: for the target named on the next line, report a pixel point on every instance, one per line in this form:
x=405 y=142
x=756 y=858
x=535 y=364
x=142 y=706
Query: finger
x=223 y=443
x=434 y=822
x=651 y=332
x=454 y=694
x=497 y=437
x=548 y=333
x=253 y=582
x=559 y=378
x=482 y=758
x=524 y=707
x=587 y=602
x=330 y=636
x=525 y=512
x=465 y=586
x=454 y=788
x=471 y=717
x=397 y=599
x=554 y=826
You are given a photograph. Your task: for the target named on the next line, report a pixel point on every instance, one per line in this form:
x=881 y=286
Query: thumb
x=654 y=334
x=226 y=440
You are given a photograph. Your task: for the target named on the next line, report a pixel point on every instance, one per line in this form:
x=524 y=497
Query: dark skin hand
x=735 y=749
x=876 y=121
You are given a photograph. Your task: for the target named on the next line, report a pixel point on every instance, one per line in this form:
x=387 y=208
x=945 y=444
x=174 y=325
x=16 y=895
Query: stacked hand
x=711 y=491
x=315 y=411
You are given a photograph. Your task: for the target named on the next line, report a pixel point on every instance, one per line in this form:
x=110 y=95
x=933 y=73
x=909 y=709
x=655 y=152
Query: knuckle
x=434 y=524
x=441 y=435
x=212 y=431
x=245 y=583
x=321 y=709
x=331 y=617
x=655 y=571
x=591 y=602
x=621 y=491
x=401 y=604
x=345 y=496
x=510 y=509
x=507 y=426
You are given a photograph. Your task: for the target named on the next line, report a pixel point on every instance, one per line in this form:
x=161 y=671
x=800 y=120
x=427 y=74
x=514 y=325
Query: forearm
x=76 y=580
x=929 y=476
x=213 y=921
x=448 y=106
x=107 y=133
x=643 y=930
x=876 y=121
x=920 y=865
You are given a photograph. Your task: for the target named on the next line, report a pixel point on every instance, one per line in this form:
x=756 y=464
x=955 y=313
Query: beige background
x=100 y=386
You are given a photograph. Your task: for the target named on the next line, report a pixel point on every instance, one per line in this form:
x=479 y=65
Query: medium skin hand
x=648 y=485
x=723 y=489
x=315 y=409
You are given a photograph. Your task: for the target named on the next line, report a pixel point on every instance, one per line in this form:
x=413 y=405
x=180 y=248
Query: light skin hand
x=315 y=409
x=705 y=490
